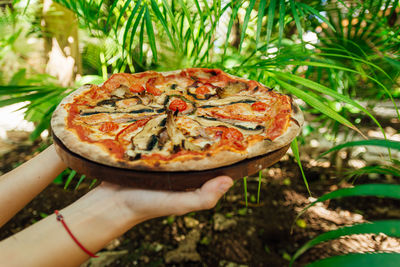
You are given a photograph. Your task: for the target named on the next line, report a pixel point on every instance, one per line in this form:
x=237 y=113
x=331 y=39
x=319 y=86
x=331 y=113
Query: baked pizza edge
x=96 y=153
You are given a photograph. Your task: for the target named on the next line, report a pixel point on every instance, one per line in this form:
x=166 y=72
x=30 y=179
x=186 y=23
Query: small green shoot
x=295 y=149
x=286 y=256
x=92 y=183
x=242 y=211
x=229 y=215
x=205 y=241
x=301 y=223
x=58 y=180
x=171 y=219
x=259 y=186
x=80 y=181
x=287 y=182
x=245 y=189
x=69 y=179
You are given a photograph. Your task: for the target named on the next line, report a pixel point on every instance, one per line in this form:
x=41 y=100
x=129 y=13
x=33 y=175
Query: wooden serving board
x=174 y=181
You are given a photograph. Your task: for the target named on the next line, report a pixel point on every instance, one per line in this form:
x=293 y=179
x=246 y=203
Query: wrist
x=135 y=205
x=104 y=205
x=97 y=218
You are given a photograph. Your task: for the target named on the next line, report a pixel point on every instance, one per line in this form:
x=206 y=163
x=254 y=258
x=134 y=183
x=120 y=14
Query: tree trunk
x=60 y=28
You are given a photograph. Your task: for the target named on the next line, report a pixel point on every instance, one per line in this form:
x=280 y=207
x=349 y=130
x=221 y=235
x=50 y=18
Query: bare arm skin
x=103 y=214
x=19 y=186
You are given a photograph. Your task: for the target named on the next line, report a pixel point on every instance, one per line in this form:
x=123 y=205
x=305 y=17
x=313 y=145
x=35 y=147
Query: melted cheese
x=188 y=125
x=239 y=111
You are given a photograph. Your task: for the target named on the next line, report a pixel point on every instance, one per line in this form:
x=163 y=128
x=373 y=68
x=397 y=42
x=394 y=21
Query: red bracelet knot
x=60 y=218
x=58 y=215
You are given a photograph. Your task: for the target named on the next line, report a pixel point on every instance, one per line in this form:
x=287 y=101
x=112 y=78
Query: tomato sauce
x=259 y=106
x=84 y=132
x=108 y=126
x=151 y=85
x=159 y=157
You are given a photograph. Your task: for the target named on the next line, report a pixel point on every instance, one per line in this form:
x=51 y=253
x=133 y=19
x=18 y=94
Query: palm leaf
x=314 y=102
x=43 y=124
x=150 y=33
x=110 y=13
x=134 y=28
x=365 y=259
x=325 y=90
x=188 y=16
x=121 y=14
x=296 y=18
x=270 y=21
x=163 y=21
x=261 y=9
x=385 y=170
x=373 y=142
x=246 y=21
x=379 y=190
x=389 y=227
x=235 y=5
x=295 y=149
x=326 y=65
x=172 y=19
x=315 y=13
x=282 y=7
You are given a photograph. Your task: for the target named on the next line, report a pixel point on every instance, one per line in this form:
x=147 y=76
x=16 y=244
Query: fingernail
x=225 y=186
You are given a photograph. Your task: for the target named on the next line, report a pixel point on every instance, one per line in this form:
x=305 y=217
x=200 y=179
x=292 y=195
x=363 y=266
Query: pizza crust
x=99 y=154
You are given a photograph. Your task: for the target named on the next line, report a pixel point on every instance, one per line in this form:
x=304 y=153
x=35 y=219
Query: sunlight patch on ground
x=12 y=118
x=390 y=132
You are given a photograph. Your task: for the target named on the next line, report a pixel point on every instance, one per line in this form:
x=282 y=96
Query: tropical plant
x=388 y=227
x=141 y=35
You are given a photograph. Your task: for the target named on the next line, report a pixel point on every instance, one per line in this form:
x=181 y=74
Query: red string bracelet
x=60 y=218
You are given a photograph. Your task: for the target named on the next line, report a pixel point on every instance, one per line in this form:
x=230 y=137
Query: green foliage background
x=353 y=56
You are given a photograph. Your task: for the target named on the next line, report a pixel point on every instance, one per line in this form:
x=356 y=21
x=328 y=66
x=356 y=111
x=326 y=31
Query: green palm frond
x=373 y=142
x=43 y=99
x=360 y=259
x=379 y=169
x=389 y=227
x=364 y=31
x=190 y=17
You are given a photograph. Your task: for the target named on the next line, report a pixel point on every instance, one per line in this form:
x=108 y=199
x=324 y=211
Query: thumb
x=217 y=186
x=206 y=197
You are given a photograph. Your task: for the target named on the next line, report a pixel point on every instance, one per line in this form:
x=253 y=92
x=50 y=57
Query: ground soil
x=260 y=234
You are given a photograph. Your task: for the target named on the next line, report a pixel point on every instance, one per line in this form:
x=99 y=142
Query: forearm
x=95 y=220
x=21 y=185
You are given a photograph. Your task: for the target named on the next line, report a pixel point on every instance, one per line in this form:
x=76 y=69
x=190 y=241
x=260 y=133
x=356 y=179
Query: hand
x=106 y=212
x=148 y=204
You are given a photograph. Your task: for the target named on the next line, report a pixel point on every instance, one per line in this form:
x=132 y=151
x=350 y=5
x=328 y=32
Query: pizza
x=191 y=119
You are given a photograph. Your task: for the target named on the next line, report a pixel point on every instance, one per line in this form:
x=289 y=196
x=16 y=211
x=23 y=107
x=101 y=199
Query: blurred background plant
x=337 y=51
x=339 y=58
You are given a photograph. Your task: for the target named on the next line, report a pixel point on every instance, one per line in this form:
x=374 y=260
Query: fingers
x=147 y=204
x=204 y=198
